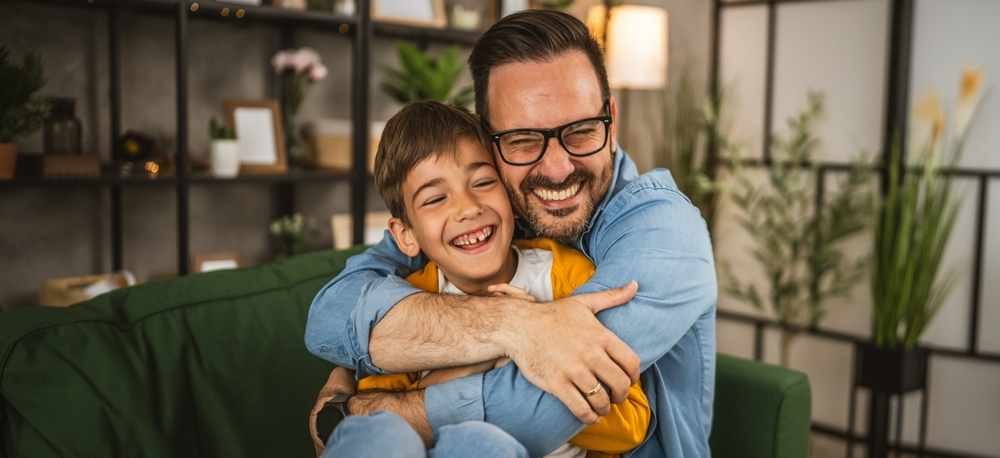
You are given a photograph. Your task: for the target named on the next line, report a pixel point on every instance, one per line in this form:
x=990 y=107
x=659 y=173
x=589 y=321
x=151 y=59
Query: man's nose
x=467 y=206
x=555 y=163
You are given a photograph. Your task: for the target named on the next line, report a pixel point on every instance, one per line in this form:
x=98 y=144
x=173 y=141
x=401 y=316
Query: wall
x=840 y=47
x=65 y=231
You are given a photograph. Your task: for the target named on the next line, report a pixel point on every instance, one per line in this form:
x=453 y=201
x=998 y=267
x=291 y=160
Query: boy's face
x=460 y=217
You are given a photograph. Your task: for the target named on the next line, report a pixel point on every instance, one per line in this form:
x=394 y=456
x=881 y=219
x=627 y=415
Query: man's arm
x=652 y=235
x=367 y=314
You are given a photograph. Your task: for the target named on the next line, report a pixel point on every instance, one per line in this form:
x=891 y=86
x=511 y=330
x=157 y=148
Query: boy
x=436 y=174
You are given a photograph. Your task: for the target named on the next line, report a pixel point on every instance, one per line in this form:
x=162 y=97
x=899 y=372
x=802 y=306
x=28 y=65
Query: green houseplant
x=913 y=222
x=424 y=78
x=21 y=111
x=796 y=244
x=694 y=138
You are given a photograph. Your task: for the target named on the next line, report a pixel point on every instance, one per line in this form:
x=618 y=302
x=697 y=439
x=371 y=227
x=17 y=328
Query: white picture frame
x=422 y=13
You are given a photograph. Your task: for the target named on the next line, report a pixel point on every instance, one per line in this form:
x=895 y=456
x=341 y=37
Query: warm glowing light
x=636 y=45
x=225 y=12
x=194 y=7
x=240 y=13
x=344 y=28
x=152 y=167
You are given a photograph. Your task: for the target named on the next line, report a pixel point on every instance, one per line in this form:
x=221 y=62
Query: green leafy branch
x=424 y=78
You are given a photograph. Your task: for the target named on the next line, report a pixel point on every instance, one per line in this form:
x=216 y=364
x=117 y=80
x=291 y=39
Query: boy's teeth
x=473 y=238
x=547 y=194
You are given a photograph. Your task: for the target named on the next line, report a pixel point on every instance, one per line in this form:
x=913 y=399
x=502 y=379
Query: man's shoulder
x=646 y=189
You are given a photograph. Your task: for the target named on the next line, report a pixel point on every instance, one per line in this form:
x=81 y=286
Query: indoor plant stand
x=887 y=373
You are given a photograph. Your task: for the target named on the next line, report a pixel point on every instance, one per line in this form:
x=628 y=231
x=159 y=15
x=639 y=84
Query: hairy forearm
x=408 y=404
x=439 y=331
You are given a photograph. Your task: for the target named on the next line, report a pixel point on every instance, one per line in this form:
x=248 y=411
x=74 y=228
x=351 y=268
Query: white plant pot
x=225 y=158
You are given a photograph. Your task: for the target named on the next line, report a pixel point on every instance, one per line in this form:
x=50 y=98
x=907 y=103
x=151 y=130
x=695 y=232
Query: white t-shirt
x=534 y=275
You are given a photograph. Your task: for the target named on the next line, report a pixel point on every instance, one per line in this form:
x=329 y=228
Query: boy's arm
x=621 y=430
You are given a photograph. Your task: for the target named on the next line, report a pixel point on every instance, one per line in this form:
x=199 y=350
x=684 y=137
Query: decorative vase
x=294 y=148
x=8 y=158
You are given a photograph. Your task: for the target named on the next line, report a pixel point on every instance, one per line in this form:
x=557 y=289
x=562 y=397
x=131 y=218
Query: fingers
x=625 y=358
x=616 y=379
x=614 y=297
x=597 y=396
x=505 y=289
x=575 y=402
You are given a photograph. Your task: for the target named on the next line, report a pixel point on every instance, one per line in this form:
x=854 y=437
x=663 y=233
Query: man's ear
x=404 y=237
x=614 y=124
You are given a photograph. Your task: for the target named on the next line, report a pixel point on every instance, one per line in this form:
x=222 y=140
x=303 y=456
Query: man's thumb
x=613 y=297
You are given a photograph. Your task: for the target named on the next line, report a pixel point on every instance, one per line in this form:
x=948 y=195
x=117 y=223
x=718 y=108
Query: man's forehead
x=538 y=93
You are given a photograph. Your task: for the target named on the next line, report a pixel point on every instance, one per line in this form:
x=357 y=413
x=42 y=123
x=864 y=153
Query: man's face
x=558 y=194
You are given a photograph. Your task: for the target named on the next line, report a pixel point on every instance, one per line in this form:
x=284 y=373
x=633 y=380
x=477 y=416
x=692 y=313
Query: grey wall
x=65 y=231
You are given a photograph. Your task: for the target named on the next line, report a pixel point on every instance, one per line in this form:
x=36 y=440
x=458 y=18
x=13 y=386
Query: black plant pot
x=892 y=371
x=887 y=373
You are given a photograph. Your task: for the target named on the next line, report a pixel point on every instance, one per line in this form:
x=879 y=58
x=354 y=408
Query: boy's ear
x=404 y=237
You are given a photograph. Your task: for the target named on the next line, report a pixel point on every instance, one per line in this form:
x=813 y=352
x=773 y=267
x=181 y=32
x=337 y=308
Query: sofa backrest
x=209 y=365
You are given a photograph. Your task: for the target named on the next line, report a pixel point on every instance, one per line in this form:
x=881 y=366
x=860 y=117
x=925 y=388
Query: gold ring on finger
x=594 y=390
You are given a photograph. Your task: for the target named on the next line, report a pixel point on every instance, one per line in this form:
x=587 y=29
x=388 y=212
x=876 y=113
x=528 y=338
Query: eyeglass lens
x=582 y=138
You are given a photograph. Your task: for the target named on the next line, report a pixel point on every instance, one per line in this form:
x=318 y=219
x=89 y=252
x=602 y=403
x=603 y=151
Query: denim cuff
x=455 y=401
x=377 y=299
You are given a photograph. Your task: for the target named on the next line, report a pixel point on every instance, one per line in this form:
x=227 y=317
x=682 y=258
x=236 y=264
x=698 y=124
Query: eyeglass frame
x=556 y=132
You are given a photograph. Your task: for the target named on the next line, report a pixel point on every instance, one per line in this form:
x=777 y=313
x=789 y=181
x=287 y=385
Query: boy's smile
x=460 y=217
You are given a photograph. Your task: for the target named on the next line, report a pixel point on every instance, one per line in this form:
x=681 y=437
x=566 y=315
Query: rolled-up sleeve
x=344 y=312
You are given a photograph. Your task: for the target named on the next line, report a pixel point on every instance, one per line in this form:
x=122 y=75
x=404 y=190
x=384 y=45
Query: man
x=537 y=75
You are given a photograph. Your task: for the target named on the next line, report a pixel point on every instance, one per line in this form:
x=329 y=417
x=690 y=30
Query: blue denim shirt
x=643 y=230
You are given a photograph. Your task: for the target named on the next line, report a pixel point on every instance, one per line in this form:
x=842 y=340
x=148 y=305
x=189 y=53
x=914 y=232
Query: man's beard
x=564 y=229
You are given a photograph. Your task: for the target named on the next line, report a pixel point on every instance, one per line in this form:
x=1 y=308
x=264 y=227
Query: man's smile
x=557 y=195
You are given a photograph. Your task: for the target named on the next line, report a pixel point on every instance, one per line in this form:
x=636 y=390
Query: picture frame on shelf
x=221 y=260
x=421 y=13
x=259 y=134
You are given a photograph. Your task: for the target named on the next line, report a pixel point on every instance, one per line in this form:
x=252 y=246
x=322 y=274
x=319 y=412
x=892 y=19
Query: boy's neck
x=478 y=287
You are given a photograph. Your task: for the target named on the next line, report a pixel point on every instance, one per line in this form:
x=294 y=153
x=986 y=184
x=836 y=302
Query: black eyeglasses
x=579 y=138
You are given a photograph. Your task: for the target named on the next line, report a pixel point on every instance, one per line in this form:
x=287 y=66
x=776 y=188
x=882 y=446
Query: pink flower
x=317 y=72
x=303 y=59
x=281 y=61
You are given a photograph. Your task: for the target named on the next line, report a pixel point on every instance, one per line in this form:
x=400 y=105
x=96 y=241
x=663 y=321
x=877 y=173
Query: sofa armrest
x=761 y=411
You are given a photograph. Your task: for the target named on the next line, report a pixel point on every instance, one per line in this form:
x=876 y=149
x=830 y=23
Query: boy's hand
x=505 y=289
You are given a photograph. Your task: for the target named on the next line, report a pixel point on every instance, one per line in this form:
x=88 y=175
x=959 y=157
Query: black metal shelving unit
x=360 y=28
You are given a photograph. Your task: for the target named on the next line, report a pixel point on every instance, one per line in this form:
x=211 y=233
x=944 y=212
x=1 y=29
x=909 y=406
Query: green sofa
x=214 y=365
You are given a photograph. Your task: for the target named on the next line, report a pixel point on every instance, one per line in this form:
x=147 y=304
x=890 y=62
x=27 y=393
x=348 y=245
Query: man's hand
x=563 y=349
x=341 y=381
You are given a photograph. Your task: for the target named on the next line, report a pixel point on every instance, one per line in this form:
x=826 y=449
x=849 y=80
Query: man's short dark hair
x=421 y=130
x=532 y=36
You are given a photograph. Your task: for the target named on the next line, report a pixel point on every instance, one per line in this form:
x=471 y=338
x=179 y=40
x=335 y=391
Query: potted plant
x=21 y=111
x=693 y=140
x=225 y=154
x=425 y=78
x=290 y=233
x=796 y=243
x=913 y=221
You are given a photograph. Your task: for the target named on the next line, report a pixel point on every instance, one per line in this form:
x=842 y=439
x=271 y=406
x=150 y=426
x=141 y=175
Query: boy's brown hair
x=421 y=130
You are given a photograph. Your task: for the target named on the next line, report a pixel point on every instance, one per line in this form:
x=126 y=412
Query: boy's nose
x=467 y=206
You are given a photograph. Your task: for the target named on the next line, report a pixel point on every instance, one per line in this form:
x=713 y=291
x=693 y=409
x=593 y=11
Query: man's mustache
x=541 y=181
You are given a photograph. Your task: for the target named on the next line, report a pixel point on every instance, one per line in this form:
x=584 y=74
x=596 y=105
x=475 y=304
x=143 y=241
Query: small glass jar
x=63 y=133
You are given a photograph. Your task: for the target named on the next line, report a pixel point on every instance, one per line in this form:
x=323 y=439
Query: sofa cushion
x=210 y=365
x=761 y=411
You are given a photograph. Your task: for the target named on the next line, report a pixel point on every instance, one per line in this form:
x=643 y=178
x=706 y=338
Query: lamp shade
x=635 y=46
